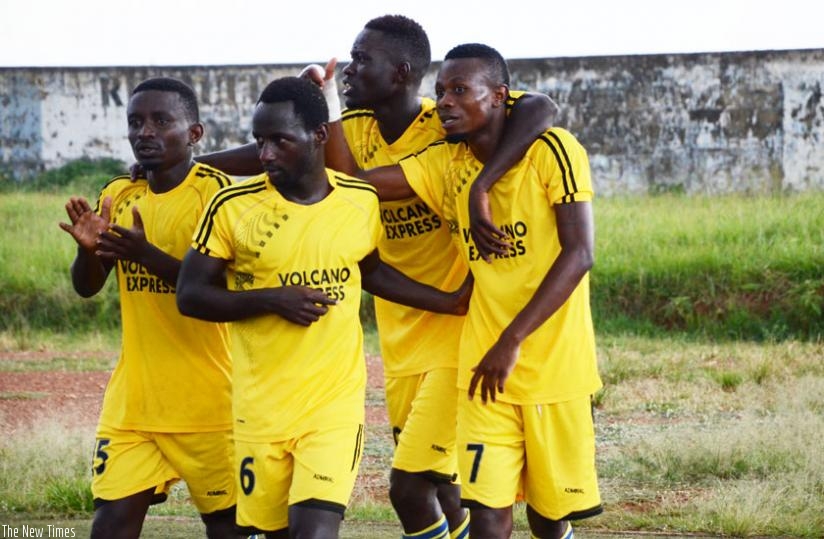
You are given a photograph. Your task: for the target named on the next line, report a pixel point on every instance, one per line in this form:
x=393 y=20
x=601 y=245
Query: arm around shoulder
x=531 y=115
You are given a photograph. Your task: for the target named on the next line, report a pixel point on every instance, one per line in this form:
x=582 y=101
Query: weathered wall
x=715 y=122
x=697 y=122
x=50 y=116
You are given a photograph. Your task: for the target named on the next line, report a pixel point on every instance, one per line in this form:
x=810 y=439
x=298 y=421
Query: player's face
x=160 y=132
x=465 y=96
x=286 y=148
x=368 y=78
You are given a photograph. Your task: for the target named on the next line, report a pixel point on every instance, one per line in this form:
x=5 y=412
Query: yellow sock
x=438 y=530
x=462 y=531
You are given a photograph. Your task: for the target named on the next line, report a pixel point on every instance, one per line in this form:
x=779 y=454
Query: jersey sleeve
x=212 y=237
x=567 y=165
x=424 y=172
x=375 y=226
x=113 y=189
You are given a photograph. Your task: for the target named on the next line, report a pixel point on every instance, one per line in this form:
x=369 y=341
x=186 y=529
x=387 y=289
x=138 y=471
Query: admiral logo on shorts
x=323 y=478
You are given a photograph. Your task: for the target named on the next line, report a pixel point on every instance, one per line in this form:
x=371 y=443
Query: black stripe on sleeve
x=562 y=158
x=221 y=198
x=354 y=183
x=566 y=159
x=205 y=171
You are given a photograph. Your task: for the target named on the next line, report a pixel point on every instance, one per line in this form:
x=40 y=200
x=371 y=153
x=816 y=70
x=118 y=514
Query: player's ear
x=195 y=133
x=499 y=95
x=321 y=133
x=402 y=71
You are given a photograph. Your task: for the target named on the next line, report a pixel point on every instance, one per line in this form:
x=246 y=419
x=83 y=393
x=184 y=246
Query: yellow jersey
x=557 y=362
x=416 y=242
x=174 y=372
x=288 y=376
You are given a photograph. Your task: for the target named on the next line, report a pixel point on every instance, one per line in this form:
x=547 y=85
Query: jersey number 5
x=100 y=453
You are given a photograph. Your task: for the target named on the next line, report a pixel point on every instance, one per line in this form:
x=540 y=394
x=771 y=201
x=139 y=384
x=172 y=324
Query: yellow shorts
x=422 y=410
x=126 y=462
x=543 y=454
x=317 y=469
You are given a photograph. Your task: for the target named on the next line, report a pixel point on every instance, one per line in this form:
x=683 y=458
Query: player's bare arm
x=202 y=293
x=384 y=281
x=239 y=161
x=576 y=232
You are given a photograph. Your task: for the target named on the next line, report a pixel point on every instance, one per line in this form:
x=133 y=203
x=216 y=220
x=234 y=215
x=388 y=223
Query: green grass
x=35 y=256
x=715 y=438
x=45 y=471
x=731 y=267
x=720 y=267
x=82 y=177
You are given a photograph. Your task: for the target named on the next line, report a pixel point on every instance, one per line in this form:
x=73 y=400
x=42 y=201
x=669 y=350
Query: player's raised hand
x=325 y=78
x=85 y=225
x=320 y=75
x=125 y=243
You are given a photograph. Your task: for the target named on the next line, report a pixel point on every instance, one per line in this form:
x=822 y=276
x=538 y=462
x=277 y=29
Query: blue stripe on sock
x=439 y=532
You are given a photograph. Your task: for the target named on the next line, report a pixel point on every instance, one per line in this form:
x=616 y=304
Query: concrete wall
x=715 y=122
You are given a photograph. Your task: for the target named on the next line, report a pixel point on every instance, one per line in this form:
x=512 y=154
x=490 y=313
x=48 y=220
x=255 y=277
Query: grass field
x=720 y=439
x=720 y=268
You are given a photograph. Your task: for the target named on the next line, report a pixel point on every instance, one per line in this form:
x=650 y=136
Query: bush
x=82 y=176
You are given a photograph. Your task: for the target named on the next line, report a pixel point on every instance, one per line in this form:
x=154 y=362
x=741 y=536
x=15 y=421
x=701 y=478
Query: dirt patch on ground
x=71 y=398
x=74 y=398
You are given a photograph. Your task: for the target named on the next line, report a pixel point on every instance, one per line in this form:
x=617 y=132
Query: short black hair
x=497 y=69
x=410 y=41
x=169 y=84
x=307 y=97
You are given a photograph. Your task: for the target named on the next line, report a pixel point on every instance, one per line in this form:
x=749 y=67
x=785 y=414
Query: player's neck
x=485 y=141
x=395 y=116
x=309 y=189
x=162 y=180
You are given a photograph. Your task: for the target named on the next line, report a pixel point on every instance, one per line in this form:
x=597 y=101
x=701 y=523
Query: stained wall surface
x=714 y=122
